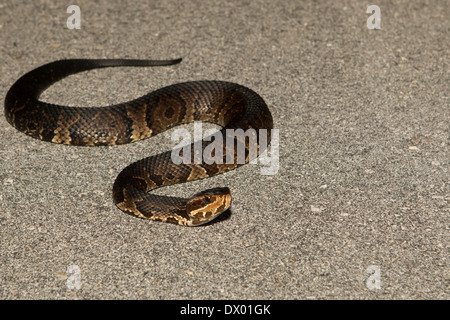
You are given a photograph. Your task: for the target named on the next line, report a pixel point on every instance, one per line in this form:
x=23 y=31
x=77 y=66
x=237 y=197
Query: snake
x=229 y=105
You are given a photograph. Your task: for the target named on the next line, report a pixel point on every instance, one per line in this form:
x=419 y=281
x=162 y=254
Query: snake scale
x=226 y=104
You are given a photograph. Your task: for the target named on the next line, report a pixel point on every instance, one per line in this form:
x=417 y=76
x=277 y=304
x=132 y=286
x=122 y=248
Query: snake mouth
x=207 y=205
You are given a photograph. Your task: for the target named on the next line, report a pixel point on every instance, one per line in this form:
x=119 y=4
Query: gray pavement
x=363 y=154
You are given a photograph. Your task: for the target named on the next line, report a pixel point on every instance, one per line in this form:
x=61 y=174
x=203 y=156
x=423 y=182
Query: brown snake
x=227 y=104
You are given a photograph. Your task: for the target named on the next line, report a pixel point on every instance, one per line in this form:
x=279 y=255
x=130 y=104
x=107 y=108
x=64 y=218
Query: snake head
x=208 y=205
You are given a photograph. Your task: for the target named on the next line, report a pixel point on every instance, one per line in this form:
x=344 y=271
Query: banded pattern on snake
x=227 y=104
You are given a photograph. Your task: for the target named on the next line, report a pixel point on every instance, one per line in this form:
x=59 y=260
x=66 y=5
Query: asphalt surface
x=363 y=119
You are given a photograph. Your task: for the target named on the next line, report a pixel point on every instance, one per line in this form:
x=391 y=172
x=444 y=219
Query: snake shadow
x=222 y=217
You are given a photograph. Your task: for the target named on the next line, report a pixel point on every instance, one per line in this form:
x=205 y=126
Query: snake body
x=227 y=104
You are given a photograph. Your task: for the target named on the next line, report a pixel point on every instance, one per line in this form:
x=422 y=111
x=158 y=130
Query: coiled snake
x=227 y=104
